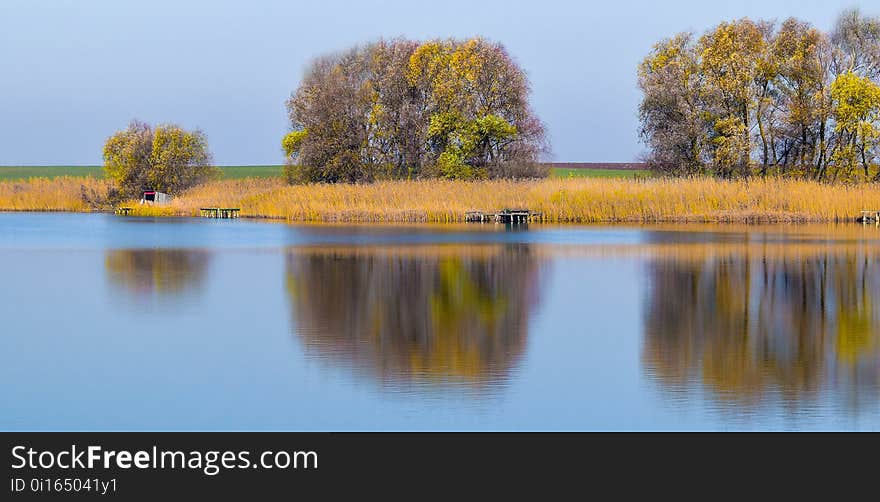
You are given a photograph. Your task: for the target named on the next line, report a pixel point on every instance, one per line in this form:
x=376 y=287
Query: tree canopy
x=406 y=109
x=167 y=158
x=757 y=97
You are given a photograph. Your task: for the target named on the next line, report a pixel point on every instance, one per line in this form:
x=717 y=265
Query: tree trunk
x=820 y=164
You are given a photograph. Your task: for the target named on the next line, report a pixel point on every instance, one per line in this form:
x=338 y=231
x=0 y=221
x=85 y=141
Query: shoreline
x=559 y=200
x=722 y=219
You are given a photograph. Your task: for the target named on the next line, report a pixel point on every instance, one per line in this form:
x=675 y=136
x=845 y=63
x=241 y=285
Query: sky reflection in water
x=116 y=323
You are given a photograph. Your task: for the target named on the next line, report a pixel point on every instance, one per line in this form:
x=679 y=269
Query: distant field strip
x=25 y=172
x=239 y=172
x=557 y=172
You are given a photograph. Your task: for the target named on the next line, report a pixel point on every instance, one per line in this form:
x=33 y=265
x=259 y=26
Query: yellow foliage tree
x=167 y=158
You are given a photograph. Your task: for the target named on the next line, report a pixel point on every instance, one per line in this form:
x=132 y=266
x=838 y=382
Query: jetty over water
x=869 y=216
x=503 y=216
x=220 y=212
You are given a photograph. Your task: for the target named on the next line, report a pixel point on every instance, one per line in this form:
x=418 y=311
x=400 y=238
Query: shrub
x=167 y=158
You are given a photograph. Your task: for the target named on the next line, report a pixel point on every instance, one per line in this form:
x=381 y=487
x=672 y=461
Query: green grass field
x=25 y=172
x=235 y=172
x=557 y=172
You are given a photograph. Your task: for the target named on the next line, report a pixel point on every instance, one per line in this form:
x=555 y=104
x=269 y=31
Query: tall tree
x=764 y=98
x=857 y=114
x=403 y=109
x=802 y=84
x=730 y=60
x=673 y=123
x=858 y=38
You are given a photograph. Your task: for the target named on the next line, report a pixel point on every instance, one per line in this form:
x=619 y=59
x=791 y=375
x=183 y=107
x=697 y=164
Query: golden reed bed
x=581 y=200
x=74 y=194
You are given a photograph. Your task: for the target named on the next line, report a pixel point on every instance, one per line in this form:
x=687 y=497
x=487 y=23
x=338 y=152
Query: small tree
x=127 y=157
x=167 y=158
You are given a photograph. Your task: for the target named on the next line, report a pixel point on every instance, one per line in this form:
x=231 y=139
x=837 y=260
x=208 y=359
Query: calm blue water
x=112 y=323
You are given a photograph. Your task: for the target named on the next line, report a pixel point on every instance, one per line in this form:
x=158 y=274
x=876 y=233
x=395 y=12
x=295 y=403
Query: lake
x=114 y=323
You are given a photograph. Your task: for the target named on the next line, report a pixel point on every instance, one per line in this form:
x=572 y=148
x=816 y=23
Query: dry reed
x=75 y=194
x=578 y=200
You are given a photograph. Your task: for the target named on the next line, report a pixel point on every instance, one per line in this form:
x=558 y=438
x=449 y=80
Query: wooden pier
x=220 y=212
x=125 y=211
x=511 y=216
x=869 y=217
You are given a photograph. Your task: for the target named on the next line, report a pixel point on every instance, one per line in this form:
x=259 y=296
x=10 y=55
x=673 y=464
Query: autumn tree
x=167 y=158
x=404 y=109
x=799 y=135
x=857 y=38
x=673 y=123
x=857 y=115
x=734 y=73
x=764 y=98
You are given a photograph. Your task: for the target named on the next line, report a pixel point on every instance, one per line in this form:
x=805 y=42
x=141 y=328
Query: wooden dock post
x=220 y=212
x=513 y=216
x=474 y=216
x=869 y=215
x=506 y=216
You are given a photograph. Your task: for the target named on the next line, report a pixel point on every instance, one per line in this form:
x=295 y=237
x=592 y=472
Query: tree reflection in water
x=750 y=322
x=423 y=315
x=157 y=273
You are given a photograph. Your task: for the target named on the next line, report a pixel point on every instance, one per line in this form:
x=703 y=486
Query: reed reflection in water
x=157 y=274
x=423 y=315
x=754 y=325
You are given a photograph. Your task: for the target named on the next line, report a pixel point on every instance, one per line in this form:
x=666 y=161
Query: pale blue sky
x=72 y=72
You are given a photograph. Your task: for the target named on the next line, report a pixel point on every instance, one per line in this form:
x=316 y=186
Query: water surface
x=112 y=323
